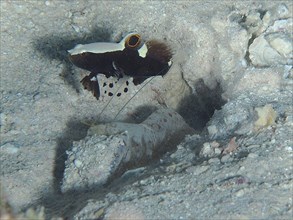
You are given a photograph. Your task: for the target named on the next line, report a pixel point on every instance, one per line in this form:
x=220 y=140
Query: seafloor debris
x=231 y=147
x=274 y=46
x=266 y=116
x=110 y=149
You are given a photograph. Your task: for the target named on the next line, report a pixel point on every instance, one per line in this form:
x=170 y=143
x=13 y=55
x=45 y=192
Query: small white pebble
x=252 y=155
x=242 y=168
x=197 y=170
x=212 y=129
x=226 y=158
x=207 y=150
x=253 y=146
x=214 y=160
x=9 y=148
x=215 y=144
x=239 y=193
x=77 y=163
x=143 y=182
x=282 y=10
x=71 y=158
x=218 y=151
x=75 y=28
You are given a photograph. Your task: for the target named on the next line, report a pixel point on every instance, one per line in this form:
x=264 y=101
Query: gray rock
x=97 y=158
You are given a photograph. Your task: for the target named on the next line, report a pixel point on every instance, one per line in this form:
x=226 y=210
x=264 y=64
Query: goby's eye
x=133 y=41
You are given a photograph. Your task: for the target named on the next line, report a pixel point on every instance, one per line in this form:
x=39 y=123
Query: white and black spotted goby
x=131 y=57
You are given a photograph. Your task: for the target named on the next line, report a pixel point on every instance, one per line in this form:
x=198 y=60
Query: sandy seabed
x=231 y=81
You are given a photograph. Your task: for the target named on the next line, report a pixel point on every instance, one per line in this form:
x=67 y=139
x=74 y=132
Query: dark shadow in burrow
x=199 y=107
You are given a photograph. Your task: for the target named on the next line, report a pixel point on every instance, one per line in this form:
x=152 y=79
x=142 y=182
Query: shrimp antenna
x=138 y=92
x=105 y=107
